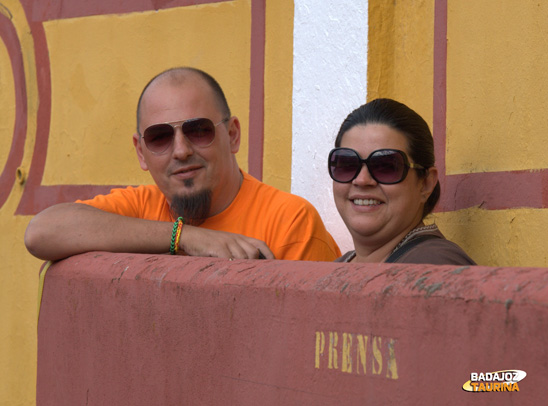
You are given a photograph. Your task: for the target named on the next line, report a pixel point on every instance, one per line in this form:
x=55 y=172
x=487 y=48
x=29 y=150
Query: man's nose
x=182 y=148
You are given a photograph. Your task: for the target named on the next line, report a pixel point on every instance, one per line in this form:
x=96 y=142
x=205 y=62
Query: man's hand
x=212 y=243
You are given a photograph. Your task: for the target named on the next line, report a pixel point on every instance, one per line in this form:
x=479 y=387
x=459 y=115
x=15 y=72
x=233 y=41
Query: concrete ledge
x=126 y=329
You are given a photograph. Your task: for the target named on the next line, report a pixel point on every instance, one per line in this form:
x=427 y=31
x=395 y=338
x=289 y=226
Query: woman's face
x=378 y=214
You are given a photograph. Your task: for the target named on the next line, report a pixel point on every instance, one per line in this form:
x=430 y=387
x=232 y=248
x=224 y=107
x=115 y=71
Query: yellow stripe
x=278 y=84
x=41 y=285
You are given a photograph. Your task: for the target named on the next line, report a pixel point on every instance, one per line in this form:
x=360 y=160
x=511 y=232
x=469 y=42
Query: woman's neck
x=379 y=252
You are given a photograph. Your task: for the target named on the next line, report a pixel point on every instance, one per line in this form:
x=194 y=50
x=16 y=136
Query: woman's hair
x=398 y=116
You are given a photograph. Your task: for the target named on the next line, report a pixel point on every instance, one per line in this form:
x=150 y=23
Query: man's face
x=185 y=169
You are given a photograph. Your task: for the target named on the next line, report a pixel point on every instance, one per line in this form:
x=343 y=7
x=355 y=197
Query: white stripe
x=329 y=81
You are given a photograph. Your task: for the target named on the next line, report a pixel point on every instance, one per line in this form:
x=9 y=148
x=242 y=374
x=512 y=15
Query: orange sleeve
x=306 y=238
x=146 y=202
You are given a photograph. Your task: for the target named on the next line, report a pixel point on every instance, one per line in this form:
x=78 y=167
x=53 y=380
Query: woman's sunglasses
x=386 y=166
x=198 y=131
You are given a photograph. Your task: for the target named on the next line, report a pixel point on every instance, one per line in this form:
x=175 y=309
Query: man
x=187 y=139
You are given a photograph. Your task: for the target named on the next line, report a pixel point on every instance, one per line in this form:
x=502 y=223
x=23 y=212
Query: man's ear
x=234 y=133
x=429 y=183
x=139 y=149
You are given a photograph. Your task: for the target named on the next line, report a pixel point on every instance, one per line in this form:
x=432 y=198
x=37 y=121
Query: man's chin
x=185 y=187
x=187 y=193
x=193 y=206
x=189 y=183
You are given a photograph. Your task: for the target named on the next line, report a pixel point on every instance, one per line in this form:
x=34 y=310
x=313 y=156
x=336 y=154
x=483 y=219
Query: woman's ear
x=429 y=183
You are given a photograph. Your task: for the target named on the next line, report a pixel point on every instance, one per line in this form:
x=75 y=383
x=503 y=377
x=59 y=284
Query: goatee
x=194 y=209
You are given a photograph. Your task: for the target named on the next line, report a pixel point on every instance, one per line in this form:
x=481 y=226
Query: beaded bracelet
x=176 y=235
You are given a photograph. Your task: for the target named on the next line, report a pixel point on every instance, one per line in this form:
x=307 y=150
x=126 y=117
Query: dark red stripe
x=440 y=85
x=256 y=97
x=43 y=197
x=16 y=151
x=30 y=204
x=496 y=190
x=39 y=11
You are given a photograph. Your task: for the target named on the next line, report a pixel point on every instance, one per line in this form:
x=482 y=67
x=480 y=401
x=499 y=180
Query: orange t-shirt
x=288 y=224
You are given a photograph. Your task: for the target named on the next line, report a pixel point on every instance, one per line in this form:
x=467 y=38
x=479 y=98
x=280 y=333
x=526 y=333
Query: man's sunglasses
x=386 y=166
x=198 y=131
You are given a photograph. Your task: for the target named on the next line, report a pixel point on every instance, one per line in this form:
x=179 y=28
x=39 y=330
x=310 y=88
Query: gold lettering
x=377 y=355
x=392 y=367
x=515 y=387
x=358 y=348
x=320 y=346
x=346 y=359
x=361 y=353
x=496 y=387
x=506 y=387
x=332 y=362
x=474 y=385
x=481 y=387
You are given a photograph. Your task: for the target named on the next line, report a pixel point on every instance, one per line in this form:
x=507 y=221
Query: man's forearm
x=72 y=228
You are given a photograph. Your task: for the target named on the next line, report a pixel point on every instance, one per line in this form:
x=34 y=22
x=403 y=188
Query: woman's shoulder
x=436 y=251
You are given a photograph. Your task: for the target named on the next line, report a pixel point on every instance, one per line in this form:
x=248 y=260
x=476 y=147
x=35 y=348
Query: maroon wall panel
x=121 y=329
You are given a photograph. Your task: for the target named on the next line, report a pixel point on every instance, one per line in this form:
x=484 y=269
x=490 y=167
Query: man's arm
x=306 y=237
x=73 y=228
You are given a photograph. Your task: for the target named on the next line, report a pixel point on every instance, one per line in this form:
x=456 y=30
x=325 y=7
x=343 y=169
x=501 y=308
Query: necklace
x=413 y=233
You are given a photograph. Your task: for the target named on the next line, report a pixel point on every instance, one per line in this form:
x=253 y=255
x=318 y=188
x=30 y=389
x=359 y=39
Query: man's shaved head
x=178 y=76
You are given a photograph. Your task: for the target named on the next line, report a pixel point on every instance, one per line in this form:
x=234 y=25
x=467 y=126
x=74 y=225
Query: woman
x=385 y=183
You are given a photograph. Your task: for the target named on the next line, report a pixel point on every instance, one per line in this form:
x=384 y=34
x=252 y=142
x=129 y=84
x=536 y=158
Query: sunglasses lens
x=387 y=166
x=344 y=164
x=200 y=131
x=158 y=137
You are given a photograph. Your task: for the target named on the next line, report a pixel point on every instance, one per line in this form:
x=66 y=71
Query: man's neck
x=221 y=203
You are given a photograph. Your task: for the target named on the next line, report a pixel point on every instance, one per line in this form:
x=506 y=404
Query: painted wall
x=70 y=74
x=473 y=70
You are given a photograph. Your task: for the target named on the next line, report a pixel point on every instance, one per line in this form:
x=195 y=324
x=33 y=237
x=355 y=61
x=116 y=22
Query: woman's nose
x=364 y=178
